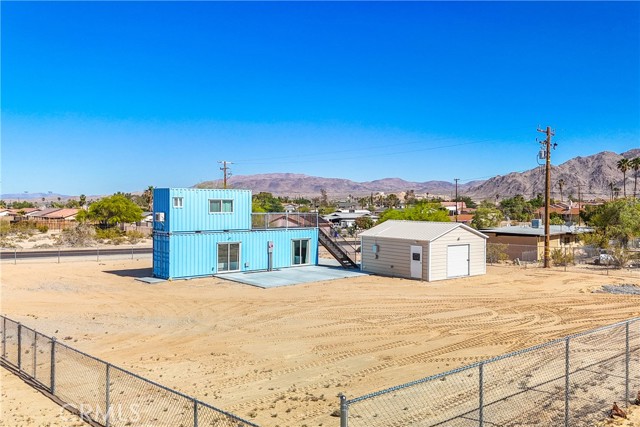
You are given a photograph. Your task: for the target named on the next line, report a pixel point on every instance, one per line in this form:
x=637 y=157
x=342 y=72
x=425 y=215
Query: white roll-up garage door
x=457 y=260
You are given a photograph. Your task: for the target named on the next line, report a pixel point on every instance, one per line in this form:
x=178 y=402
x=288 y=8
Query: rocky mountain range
x=585 y=177
x=590 y=176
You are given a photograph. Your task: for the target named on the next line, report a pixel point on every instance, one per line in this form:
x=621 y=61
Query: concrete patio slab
x=292 y=275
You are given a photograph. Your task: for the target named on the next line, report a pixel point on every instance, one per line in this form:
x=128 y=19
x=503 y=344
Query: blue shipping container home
x=201 y=232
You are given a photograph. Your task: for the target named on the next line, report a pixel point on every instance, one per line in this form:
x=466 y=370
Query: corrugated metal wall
x=194 y=214
x=394 y=256
x=161 y=204
x=161 y=255
x=196 y=254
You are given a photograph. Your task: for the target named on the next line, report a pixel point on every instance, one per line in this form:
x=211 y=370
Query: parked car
x=604 y=259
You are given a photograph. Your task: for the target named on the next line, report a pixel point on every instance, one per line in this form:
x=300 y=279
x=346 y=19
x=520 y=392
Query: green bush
x=562 y=257
x=43 y=228
x=109 y=233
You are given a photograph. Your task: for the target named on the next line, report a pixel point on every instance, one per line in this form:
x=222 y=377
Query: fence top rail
x=148 y=381
x=488 y=361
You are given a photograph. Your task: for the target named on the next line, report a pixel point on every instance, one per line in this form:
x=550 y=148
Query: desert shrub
x=43 y=246
x=561 y=257
x=24 y=227
x=5 y=243
x=5 y=228
x=135 y=236
x=42 y=228
x=497 y=252
x=621 y=256
x=78 y=236
x=109 y=233
x=117 y=240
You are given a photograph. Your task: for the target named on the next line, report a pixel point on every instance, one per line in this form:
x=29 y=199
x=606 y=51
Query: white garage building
x=423 y=250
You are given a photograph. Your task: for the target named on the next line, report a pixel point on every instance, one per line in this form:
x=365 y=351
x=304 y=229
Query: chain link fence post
x=566 y=383
x=4 y=337
x=107 y=400
x=15 y=256
x=20 y=347
x=35 y=352
x=195 y=413
x=344 y=411
x=481 y=394
x=626 y=364
x=53 y=365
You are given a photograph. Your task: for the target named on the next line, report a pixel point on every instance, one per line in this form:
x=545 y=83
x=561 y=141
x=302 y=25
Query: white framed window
x=178 y=202
x=220 y=205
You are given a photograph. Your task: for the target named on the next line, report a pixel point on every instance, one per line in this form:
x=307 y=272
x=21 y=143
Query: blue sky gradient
x=99 y=97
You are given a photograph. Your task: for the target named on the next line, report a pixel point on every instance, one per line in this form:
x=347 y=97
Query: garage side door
x=457 y=260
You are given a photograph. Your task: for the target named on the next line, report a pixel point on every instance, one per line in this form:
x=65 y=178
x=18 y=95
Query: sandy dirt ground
x=280 y=357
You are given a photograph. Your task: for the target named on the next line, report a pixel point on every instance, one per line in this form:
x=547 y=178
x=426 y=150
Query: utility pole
x=547 y=194
x=456 y=180
x=579 y=203
x=226 y=171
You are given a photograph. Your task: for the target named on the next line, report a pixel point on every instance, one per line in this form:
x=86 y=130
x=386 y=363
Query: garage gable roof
x=416 y=230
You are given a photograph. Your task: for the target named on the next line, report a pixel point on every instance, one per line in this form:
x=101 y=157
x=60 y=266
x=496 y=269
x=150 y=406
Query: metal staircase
x=337 y=246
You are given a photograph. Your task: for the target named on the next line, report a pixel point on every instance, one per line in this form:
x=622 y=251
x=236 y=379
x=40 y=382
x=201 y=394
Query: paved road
x=22 y=254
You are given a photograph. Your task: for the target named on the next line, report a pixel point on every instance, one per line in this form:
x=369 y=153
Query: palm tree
x=147 y=195
x=611 y=187
x=561 y=186
x=635 y=165
x=623 y=166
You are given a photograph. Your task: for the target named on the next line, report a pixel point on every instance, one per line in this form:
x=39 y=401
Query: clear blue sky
x=99 y=97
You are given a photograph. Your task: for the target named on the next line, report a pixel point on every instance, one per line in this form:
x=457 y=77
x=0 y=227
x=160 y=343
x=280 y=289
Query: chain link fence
x=567 y=382
x=100 y=392
x=617 y=261
x=60 y=254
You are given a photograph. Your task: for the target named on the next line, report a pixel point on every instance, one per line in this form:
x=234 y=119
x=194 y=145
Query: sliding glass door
x=228 y=257
x=300 y=251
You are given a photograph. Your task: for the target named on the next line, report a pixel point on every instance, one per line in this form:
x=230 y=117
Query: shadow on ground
x=136 y=273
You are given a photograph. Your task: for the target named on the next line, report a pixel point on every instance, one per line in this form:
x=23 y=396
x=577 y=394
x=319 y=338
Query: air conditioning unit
x=159 y=216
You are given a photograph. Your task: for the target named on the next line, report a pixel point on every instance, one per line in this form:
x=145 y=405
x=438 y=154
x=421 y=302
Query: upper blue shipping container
x=201 y=210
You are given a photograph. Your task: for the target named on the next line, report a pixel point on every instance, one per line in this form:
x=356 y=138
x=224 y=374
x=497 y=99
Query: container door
x=416 y=262
x=457 y=260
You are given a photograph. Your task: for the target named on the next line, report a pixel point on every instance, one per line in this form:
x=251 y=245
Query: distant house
x=569 y=212
x=24 y=211
x=41 y=213
x=527 y=242
x=53 y=218
x=347 y=218
x=147 y=218
x=452 y=206
x=67 y=214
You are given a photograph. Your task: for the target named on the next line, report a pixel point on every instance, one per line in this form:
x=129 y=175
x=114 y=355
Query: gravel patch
x=627 y=289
